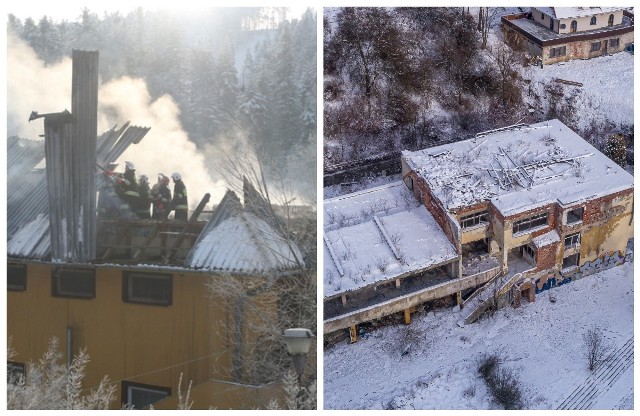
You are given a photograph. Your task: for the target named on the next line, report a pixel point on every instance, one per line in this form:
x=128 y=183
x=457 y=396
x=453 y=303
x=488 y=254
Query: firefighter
x=127 y=186
x=144 y=202
x=179 y=202
x=161 y=197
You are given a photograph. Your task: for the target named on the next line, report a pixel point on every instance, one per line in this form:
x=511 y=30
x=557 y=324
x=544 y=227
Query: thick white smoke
x=32 y=85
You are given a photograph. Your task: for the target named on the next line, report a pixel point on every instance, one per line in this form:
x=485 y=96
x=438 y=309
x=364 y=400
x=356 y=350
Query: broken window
x=529 y=253
x=571 y=261
x=531 y=222
x=74 y=283
x=574 y=26
x=559 y=51
x=17 y=277
x=572 y=240
x=593 y=20
x=474 y=219
x=610 y=20
x=595 y=46
x=149 y=288
x=575 y=215
x=141 y=395
x=614 y=43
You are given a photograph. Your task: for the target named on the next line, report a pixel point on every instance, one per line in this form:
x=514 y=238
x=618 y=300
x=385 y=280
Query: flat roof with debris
x=378 y=235
x=574 y=12
x=518 y=169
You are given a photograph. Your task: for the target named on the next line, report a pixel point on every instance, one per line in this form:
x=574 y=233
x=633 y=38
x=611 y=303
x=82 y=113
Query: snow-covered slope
x=542 y=342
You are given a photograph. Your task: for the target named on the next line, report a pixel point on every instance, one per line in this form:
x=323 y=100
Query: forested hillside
x=408 y=78
x=235 y=74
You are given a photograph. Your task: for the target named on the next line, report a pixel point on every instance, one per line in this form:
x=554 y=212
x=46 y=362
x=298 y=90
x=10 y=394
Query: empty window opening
x=571 y=261
x=17 y=277
x=595 y=46
x=574 y=26
x=474 y=219
x=141 y=396
x=572 y=240
x=149 y=288
x=610 y=20
x=528 y=253
x=593 y=21
x=614 y=43
x=575 y=215
x=74 y=283
x=531 y=223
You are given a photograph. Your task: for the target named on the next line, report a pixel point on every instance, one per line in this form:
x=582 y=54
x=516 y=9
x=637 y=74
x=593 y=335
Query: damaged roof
x=518 y=168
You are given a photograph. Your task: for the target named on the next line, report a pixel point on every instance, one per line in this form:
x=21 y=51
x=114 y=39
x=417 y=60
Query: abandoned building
x=557 y=34
x=484 y=222
x=133 y=292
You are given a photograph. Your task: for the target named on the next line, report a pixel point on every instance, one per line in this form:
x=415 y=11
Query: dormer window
x=593 y=21
x=610 y=20
x=574 y=26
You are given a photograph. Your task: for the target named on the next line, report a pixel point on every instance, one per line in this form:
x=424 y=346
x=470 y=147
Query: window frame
x=593 y=21
x=128 y=386
x=476 y=219
x=616 y=44
x=22 y=285
x=572 y=240
x=533 y=222
x=611 y=20
x=596 y=46
x=15 y=368
x=559 y=51
x=573 y=27
x=57 y=273
x=128 y=278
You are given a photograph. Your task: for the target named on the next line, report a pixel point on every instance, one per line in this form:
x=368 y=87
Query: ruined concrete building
x=130 y=291
x=483 y=222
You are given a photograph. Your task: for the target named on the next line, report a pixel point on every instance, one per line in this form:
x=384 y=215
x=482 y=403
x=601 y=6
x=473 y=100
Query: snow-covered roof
x=237 y=241
x=575 y=12
x=378 y=235
x=546 y=239
x=518 y=169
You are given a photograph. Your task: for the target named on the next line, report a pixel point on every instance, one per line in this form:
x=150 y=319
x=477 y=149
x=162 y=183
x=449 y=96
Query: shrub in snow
x=50 y=384
x=501 y=382
x=616 y=149
x=595 y=346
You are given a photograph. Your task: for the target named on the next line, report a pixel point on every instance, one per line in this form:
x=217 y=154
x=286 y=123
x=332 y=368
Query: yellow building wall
x=136 y=342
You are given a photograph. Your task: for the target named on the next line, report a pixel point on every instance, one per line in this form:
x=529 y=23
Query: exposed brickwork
x=546 y=257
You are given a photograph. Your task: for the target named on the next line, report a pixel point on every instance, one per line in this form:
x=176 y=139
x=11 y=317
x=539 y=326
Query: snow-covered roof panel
x=518 y=168
x=546 y=239
x=380 y=247
x=243 y=243
x=31 y=240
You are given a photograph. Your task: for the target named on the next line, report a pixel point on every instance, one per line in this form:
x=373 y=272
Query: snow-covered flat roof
x=519 y=169
x=365 y=244
x=572 y=12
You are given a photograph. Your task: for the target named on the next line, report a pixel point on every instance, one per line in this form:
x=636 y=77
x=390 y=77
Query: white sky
x=72 y=9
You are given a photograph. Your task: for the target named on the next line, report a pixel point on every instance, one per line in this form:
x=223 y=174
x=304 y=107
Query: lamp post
x=298 y=341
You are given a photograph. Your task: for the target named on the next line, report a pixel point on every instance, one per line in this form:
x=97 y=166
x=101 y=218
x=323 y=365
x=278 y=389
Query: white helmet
x=129 y=166
x=176 y=176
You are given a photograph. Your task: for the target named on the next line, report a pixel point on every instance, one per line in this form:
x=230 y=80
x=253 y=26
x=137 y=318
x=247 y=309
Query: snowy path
x=601 y=380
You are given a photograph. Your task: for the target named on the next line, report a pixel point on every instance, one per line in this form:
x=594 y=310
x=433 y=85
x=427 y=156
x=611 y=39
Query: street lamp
x=298 y=342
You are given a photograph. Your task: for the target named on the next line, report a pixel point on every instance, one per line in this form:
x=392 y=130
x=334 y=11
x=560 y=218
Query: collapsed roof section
x=518 y=169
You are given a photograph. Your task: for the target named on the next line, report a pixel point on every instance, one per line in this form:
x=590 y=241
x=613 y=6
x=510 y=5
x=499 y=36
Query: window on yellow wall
x=149 y=288
x=74 y=283
x=140 y=396
x=17 y=277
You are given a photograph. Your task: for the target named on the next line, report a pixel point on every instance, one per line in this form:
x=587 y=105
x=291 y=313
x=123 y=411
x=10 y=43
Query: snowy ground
x=542 y=342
